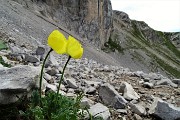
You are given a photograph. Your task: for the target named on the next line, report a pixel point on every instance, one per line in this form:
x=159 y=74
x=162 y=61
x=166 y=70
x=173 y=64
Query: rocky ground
x=109 y=91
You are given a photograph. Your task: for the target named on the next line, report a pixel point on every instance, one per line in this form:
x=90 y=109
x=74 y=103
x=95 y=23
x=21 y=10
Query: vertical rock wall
x=90 y=19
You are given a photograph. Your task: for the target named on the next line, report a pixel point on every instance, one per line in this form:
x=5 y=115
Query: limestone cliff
x=90 y=19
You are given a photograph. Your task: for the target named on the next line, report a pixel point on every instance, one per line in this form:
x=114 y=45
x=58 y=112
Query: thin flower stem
x=63 y=74
x=41 y=75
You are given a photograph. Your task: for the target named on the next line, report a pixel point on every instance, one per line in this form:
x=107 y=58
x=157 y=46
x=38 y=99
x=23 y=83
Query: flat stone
x=124 y=111
x=31 y=58
x=111 y=97
x=52 y=87
x=129 y=92
x=166 y=81
x=99 y=110
x=47 y=77
x=90 y=90
x=164 y=110
x=18 y=80
x=138 y=109
x=72 y=83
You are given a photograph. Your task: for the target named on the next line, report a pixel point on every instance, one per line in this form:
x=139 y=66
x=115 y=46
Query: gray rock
x=129 y=92
x=15 y=50
x=31 y=58
x=72 y=83
x=99 y=110
x=18 y=80
x=111 y=97
x=154 y=76
x=52 y=71
x=52 y=61
x=139 y=73
x=166 y=81
x=148 y=85
x=92 y=83
x=47 y=77
x=40 y=50
x=90 y=90
x=164 y=110
x=138 y=109
x=86 y=103
x=52 y=87
x=176 y=81
x=124 y=111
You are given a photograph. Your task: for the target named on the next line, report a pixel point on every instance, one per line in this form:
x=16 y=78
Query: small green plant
x=3 y=45
x=53 y=107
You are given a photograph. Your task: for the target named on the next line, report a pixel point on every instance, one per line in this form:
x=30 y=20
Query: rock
x=52 y=61
x=111 y=97
x=138 y=109
x=47 y=77
x=15 y=49
x=72 y=83
x=164 y=110
x=52 y=71
x=90 y=90
x=71 y=95
x=124 y=111
x=99 y=110
x=31 y=58
x=139 y=73
x=176 y=81
x=18 y=80
x=148 y=85
x=154 y=76
x=166 y=81
x=86 y=103
x=52 y=87
x=92 y=83
x=129 y=92
x=62 y=93
x=137 y=117
x=40 y=50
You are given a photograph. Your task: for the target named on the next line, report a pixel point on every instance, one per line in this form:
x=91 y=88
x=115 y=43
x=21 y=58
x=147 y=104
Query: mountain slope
x=142 y=48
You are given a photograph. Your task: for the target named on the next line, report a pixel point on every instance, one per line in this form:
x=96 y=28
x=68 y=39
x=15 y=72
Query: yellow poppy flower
x=74 y=48
x=57 y=42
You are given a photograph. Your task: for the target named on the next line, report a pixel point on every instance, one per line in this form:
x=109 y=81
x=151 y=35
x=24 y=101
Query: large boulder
x=16 y=82
x=111 y=97
x=164 y=110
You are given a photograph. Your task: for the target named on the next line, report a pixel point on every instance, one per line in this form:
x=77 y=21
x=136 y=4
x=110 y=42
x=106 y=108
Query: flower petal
x=57 y=42
x=74 y=48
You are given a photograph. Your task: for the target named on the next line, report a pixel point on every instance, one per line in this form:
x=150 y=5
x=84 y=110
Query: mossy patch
x=3 y=45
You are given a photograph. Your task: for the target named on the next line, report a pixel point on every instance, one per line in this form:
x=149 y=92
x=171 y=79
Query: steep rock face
x=140 y=47
x=90 y=19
